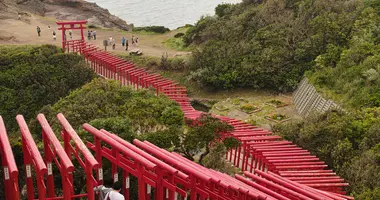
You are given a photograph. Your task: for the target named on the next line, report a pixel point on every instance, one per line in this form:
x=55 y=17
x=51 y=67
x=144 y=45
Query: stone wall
x=307 y=100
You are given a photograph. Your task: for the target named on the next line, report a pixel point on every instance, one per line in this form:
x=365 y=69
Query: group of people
x=54 y=33
x=91 y=34
x=124 y=41
x=106 y=193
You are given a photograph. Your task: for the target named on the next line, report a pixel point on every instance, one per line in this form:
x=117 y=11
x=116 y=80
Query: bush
x=178 y=35
x=178 y=64
x=34 y=76
x=349 y=143
x=173 y=64
x=92 y=26
x=251 y=44
x=177 y=44
x=154 y=29
x=164 y=64
x=108 y=100
x=222 y=9
x=354 y=78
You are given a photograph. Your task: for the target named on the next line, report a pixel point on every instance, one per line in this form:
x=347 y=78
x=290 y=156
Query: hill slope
x=62 y=10
x=268 y=44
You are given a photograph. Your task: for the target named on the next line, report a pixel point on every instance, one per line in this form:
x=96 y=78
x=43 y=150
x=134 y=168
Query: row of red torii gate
x=272 y=168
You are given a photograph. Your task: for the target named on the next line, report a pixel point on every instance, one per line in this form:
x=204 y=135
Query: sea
x=169 y=13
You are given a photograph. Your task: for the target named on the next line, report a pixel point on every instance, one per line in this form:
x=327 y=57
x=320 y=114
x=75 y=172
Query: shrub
x=178 y=35
x=222 y=9
x=154 y=29
x=34 y=76
x=251 y=44
x=248 y=108
x=278 y=117
x=178 y=64
x=165 y=63
x=275 y=102
x=92 y=26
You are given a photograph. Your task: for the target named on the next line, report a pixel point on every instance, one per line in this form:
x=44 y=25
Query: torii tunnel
x=273 y=168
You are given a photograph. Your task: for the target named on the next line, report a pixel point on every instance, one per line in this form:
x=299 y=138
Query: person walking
x=137 y=41
x=103 y=190
x=94 y=34
x=39 y=31
x=89 y=35
x=110 y=41
x=19 y=16
x=54 y=35
x=115 y=193
x=123 y=41
x=133 y=40
x=126 y=45
x=49 y=28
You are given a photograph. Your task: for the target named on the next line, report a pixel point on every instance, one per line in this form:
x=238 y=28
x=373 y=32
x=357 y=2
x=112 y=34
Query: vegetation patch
x=251 y=45
x=92 y=26
x=348 y=142
x=34 y=76
x=238 y=101
x=177 y=44
x=276 y=103
x=278 y=118
x=154 y=29
x=222 y=108
x=249 y=108
x=203 y=104
x=178 y=35
x=251 y=122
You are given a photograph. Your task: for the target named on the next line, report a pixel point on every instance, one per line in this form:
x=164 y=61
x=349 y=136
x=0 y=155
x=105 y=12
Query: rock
x=64 y=10
x=33 y=6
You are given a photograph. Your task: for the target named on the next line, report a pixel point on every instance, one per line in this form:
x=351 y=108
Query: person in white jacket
x=115 y=193
x=103 y=190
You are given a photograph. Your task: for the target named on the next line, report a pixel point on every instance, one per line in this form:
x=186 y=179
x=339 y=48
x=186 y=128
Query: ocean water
x=168 y=13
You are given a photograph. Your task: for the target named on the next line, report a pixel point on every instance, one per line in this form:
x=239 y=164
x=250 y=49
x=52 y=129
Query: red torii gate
x=9 y=165
x=72 y=25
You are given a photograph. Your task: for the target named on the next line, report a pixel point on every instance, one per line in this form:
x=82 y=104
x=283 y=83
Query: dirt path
x=22 y=32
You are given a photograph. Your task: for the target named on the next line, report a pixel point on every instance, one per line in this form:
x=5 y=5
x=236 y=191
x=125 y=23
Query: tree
x=202 y=134
x=108 y=100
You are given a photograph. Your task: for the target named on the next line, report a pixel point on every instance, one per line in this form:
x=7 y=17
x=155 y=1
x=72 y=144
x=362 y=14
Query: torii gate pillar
x=72 y=25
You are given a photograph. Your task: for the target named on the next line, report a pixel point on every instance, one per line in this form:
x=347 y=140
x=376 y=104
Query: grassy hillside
x=34 y=76
x=350 y=74
x=268 y=44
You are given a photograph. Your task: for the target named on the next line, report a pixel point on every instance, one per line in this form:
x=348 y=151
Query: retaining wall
x=307 y=100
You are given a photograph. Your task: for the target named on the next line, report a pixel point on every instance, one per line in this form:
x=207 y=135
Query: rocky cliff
x=63 y=10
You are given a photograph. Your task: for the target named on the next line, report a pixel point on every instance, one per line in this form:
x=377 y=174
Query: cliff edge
x=63 y=10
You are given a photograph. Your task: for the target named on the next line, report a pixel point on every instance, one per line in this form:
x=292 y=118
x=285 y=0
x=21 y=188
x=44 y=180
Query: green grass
x=176 y=44
x=141 y=61
x=145 y=33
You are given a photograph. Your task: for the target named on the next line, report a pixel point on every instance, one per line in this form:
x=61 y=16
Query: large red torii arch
x=73 y=25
